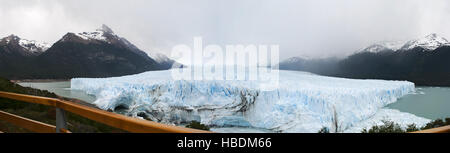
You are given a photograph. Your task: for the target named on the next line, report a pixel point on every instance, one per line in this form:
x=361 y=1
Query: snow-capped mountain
x=421 y=60
x=383 y=46
x=17 y=54
x=34 y=46
x=31 y=46
x=103 y=34
x=106 y=34
x=429 y=43
x=100 y=53
x=99 y=34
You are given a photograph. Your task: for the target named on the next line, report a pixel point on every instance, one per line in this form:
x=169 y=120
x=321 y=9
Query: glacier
x=302 y=102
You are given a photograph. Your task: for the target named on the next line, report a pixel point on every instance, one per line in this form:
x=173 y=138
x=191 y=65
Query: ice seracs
x=302 y=102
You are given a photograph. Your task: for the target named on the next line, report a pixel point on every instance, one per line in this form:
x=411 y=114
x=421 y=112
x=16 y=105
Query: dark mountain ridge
x=424 y=62
x=89 y=54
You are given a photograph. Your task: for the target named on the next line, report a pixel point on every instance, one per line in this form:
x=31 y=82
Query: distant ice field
x=302 y=102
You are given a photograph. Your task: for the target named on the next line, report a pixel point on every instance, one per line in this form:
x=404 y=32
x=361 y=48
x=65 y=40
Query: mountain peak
x=383 y=46
x=105 y=28
x=101 y=34
x=11 y=37
x=29 y=45
x=432 y=35
x=429 y=42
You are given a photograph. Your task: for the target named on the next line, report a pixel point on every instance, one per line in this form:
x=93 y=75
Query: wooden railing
x=108 y=118
x=444 y=129
x=114 y=120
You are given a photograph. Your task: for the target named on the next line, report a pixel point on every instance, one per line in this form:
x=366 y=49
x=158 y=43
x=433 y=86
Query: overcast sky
x=315 y=28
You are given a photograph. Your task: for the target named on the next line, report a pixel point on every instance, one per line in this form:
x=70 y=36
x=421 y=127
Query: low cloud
x=316 y=28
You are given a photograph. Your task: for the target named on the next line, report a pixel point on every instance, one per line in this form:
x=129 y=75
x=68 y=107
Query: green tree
x=387 y=127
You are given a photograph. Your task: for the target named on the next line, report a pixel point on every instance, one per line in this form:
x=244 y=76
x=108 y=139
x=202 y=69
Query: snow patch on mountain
x=34 y=46
x=28 y=45
x=430 y=42
x=383 y=46
x=98 y=34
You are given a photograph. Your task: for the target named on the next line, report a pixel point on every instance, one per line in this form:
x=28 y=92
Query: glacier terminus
x=302 y=102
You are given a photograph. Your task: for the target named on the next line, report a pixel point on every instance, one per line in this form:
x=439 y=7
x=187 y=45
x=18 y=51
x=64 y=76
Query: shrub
x=437 y=123
x=387 y=127
x=391 y=127
x=412 y=128
x=324 y=130
x=197 y=125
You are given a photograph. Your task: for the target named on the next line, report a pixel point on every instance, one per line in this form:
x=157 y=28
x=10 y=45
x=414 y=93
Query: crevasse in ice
x=302 y=102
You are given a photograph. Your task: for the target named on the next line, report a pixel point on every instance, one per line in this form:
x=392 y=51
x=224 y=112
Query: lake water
x=428 y=102
x=60 y=88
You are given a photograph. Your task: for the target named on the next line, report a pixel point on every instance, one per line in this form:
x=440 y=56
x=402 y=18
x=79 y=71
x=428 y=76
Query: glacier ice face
x=401 y=118
x=302 y=102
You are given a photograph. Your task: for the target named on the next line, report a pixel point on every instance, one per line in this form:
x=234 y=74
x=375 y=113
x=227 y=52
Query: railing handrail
x=32 y=125
x=443 y=129
x=122 y=122
x=112 y=119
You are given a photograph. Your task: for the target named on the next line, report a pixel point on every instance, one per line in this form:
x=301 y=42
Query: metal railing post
x=61 y=122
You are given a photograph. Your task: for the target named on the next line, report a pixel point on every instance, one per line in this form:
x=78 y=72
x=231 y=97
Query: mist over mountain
x=100 y=53
x=423 y=61
x=318 y=66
